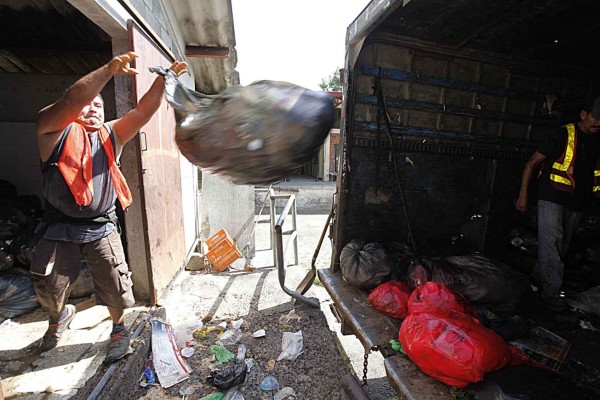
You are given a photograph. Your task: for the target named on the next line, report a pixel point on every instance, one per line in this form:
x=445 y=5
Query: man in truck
x=80 y=154
x=569 y=177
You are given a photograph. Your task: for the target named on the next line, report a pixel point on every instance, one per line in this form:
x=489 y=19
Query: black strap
x=53 y=215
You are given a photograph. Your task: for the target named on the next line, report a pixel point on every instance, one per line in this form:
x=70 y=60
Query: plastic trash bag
x=291 y=345
x=235 y=393
x=449 y=345
x=228 y=377
x=13 y=222
x=17 y=296
x=481 y=280
x=390 y=298
x=255 y=134
x=364 y=265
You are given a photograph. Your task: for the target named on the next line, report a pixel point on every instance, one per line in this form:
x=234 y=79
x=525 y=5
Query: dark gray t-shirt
x=58 y=194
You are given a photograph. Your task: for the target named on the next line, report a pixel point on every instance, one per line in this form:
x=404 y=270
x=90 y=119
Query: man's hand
x=120 y=65
x=521 y=204
x=179 y=67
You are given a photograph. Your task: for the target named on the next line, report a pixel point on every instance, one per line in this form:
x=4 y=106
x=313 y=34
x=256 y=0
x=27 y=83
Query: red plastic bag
x=390 y=298
x=448 y=344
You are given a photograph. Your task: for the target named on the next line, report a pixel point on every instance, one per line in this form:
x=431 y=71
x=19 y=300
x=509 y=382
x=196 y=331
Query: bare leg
x=116 y=314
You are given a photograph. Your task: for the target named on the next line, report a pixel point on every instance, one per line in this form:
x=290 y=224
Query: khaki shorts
x=55 y=267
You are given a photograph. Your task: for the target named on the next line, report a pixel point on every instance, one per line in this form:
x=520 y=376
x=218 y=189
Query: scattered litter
x=230 y=337
x=208 y=334
x=213 y=396
x=186 y=390
x=234 y=394
x=259 y=333
x=269 y=383
x=237 y=324
x=149 y=375
x=249 y=363
x=187 y=352
x=291 y=345
x=170 y=367
x=286 y=319
x=223 y=325
x=184 y=331
x=271 y=364
x=285 y=393
x=241 y=354
x=587 y=325
x=228 y=377
x=221 y=353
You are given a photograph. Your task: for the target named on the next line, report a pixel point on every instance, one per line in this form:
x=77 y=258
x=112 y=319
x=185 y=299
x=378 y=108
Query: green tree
x=332 y=82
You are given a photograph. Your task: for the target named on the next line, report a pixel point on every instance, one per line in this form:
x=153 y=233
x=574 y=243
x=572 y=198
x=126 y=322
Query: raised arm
x=128 y=126
x=56 y=116
x=532 y=164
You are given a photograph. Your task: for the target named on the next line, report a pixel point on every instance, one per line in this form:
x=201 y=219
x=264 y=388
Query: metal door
x=161 y=193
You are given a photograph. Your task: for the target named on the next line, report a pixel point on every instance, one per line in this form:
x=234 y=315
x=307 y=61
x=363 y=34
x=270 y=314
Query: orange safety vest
x=561 y=175
x=75 y=165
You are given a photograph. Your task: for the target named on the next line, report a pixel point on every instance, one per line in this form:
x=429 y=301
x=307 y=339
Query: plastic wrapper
x=291 y=346
x=364 y=265
x=481 y=280
x=254 y=134
x=449 y=345
x=391 y=298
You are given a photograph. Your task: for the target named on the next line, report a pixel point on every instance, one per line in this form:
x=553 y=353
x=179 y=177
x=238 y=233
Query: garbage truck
x=443 y=104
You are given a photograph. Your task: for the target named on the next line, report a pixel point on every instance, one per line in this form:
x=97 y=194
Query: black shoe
x=56 y=330
x=118 y=346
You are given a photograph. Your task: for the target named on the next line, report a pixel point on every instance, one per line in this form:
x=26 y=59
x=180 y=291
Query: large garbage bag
x=364 y=265
x=254 y=134
x=13 y=221
x=17 y=296
x=400 y=255
x=390 y=298
x=481 y=280
x=449 y=345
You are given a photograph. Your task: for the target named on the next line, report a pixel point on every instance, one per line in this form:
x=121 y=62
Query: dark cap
x=595 y=111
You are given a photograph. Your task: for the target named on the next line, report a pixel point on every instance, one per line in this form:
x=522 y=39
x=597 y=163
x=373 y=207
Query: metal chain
x=366 y=364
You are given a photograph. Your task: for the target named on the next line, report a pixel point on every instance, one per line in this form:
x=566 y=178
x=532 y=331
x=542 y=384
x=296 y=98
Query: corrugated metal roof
x=53 y=37
x=209 y=23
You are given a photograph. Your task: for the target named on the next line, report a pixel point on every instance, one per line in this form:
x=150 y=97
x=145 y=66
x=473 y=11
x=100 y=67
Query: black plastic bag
x=13 y=222
x=255 y=134
x=364 y=266
x=228 y=377
x=481 y=280
x=17 y=296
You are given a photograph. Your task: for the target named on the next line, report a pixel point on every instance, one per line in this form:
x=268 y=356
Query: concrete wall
x=228 y=206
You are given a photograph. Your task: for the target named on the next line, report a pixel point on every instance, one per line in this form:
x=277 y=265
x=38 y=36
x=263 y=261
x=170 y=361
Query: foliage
x=332 y=82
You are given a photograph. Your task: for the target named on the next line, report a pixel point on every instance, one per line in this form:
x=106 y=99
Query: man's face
x=92 y=115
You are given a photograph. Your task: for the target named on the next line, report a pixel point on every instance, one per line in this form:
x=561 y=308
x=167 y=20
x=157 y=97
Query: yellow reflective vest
x=561 y=175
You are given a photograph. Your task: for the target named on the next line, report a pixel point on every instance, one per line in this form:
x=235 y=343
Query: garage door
x=160 y=176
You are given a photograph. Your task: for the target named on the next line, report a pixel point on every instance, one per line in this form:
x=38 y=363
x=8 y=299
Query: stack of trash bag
x=255 y=134
x=481 y=280
x=443 y=338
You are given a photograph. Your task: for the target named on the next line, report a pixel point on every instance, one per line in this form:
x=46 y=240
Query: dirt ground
x=256 y=297
x=206 y=298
